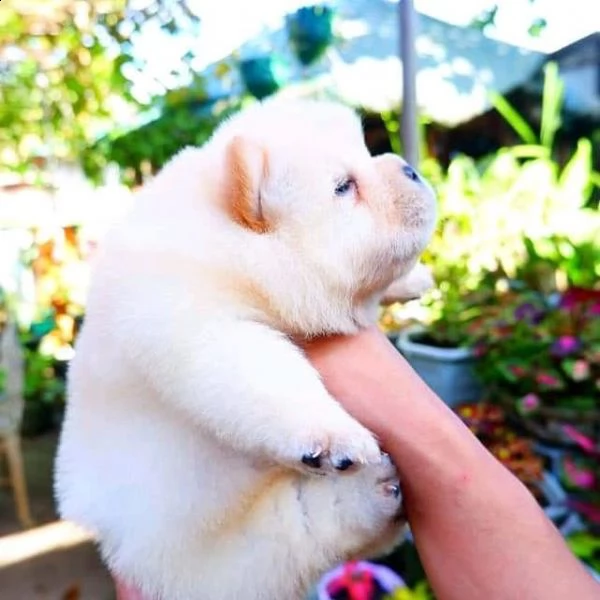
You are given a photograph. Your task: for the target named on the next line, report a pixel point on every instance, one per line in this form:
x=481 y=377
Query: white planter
x=449 y=372
x=386 y=578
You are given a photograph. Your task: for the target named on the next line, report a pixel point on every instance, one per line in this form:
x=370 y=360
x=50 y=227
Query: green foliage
x=490 y=425
x=310 y=31
x=537 y=353
x=186 y=119
x=421 y=591
x=552 y=102
x=41 y=383
x=586 y=546
x=262 y=75
x=518 y=215
x=487 y=19
x=63 y=65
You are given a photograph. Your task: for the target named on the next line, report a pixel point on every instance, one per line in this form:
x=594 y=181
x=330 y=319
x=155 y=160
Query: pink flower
x=585 y=442
x=581 y=370
x=529 y=403
x=517 y=370
x=581 y=477
x=547 y=380
x=479 y=350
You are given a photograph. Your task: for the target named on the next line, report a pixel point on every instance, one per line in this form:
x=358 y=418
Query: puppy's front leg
x=409 y=287
x=250 y=387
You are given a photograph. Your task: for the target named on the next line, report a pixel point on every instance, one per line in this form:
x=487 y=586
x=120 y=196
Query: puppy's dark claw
x=344 y=464
x=313 y=459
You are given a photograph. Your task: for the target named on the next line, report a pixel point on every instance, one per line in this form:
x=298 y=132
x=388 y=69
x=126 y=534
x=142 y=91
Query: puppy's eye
x=345 y=186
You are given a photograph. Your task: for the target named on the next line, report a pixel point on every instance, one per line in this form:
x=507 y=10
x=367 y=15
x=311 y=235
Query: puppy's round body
x=199 y=444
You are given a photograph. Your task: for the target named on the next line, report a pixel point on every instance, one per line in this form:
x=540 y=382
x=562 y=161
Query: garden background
x=500 y=104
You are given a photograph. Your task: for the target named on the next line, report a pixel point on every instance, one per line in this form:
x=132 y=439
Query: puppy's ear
x=246 y=169
x=409 y=287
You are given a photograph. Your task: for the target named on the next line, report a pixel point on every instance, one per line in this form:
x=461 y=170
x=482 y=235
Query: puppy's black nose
x=410 y=173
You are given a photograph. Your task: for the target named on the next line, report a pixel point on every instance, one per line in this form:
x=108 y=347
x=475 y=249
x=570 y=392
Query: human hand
x=373 y=381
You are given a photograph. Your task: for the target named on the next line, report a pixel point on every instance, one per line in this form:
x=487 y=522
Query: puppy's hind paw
x=338 y=451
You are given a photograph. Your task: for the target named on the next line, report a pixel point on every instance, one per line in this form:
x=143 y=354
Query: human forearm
x=479 y=532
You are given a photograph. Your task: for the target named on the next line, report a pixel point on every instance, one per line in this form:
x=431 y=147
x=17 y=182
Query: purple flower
x=529 y=312
x=565 y=345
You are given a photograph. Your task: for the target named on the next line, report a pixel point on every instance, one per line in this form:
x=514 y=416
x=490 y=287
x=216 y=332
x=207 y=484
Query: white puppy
x=199 y=444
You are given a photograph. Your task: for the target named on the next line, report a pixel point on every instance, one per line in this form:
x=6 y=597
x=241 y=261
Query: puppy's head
x=335 y=224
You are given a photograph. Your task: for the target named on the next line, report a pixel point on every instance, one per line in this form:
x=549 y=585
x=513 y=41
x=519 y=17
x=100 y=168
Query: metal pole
x=409 y=125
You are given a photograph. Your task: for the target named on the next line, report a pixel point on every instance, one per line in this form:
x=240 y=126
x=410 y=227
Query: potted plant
x=441 y=351
x=43 y=393
x=358 y=580
x=579 y=472
x=488 y=422
x=310 y=31
x=262 y=75
x=539 y=357
x=520 y=455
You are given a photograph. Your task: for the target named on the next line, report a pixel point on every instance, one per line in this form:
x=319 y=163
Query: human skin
x=478 y=530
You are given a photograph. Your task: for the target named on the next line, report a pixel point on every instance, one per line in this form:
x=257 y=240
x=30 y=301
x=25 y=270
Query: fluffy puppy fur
x=199 y=444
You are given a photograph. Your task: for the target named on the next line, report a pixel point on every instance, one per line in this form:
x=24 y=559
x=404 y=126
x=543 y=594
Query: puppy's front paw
x=413 y=285
x=338 y=448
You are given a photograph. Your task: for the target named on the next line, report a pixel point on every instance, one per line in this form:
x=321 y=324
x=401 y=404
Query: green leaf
x=575 y=181
x=513 y=118
x=537 y=27
x=552 y=99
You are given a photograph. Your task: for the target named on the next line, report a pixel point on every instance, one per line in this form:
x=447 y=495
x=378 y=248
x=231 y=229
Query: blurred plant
x=67 y=69
x=3 y=319
x=586 y=546
x=262 y=75
x=41 y=383
x=580 y=474
x=187 y=118
x=421 y=591
x=311 y=32
x=515 y=215
x=542 y=143
x=489 y=423
x=487 y=18
x=57 y=260
x=360 y=580
x=540 y=358
x=488 y=216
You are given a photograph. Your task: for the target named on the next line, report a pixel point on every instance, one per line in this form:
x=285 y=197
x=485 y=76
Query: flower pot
x=262 y=75
x=310 y=31
x=449 y=372
x=555 y=503
x=336 y=581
